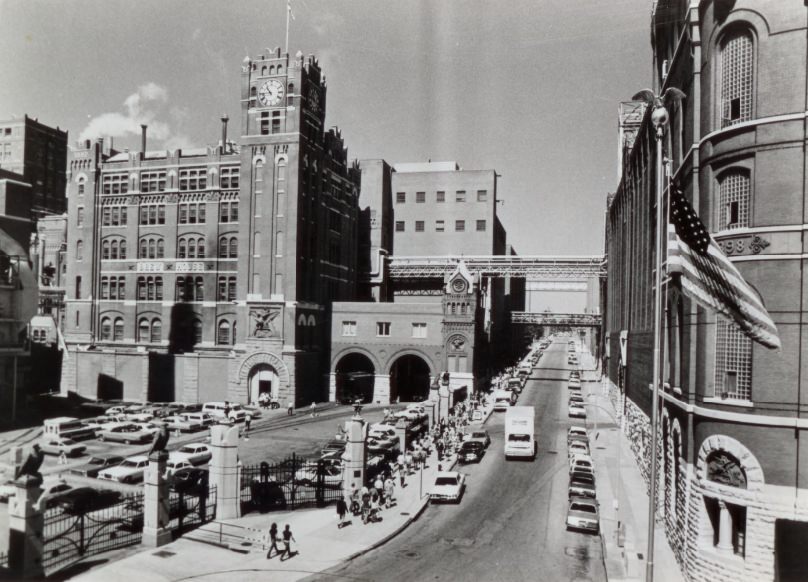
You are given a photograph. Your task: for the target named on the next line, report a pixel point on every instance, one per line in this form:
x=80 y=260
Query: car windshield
x=96 y=461
x=187 y=450
x=133 y=464
x=478 y=435
x=519 y=438
x=446 y=481
x=582 y=507
x=68 y=442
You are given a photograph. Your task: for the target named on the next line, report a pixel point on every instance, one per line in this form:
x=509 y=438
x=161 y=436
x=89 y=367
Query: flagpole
x=288 y=12
x=659 y=118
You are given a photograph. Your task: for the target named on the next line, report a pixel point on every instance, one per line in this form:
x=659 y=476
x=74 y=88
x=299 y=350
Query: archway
x=409 y=379
x=263 y=379
x=355 y=378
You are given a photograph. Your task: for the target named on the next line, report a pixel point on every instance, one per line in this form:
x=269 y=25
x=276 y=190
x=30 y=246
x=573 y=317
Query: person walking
x=247 y=422
x=288 y=538
x=313 y=409
x=290 y=408
x=342 y=509
x=401 y=475
x=389 y=489
x=273 y=540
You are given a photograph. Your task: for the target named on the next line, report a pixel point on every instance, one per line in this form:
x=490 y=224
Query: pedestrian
x=288 y=538
x=313 y=409
x=62 y=458
x=227 y=410
x=342 y=509
x=290 y=408
x=408 y=462
x=354 y=498
x=273 y=540
x=389 y=489
x=401 y=475
x=247 y=422
x=378 y=483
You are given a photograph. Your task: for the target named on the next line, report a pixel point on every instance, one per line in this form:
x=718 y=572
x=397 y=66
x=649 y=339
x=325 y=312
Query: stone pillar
x=156 y=519
x=401 y=433
x=724 y=527
x=443 y=404
x=223 y=471
x=332 y=387
x=431 y=411
x=354 y=456
x=25 y=524
x=381 y=389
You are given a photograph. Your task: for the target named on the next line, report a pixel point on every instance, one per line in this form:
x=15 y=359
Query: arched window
x=252 y=93
x=79 y=250
x=105 y=250
x=199 y=287
x=197 y=331
x=113 y=288
x=233 y=248
x=264 y=71
x=200 y=248
x=179 y=291
x=156 y=331
x=231 y=289
x=143 y=330
x=123 y=249
x=733 y=200
x=158 y=288
x=272 y=69
x=104 y=288
x=117 y=333
x=737 y=77
x=81 y=186
x=161 y=249
x=113 y=250
x=181 y=249
x=233 y=334
x=142 y=253
x=106 y=329
x=221 y=294
x=223 y=248
x=150 y=289
x=192 y=248
x=223 y=333
x=152 y=249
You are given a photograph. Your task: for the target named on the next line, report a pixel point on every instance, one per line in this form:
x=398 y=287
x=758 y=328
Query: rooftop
x=429 y=166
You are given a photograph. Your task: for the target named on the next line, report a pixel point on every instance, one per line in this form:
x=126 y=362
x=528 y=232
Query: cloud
x=141 y=107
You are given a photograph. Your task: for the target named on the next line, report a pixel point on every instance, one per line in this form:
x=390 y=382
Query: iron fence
x=189 y=510
x=289 y=484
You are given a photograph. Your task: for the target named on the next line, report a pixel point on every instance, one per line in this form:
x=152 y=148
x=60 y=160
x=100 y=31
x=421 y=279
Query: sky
x=529 y=88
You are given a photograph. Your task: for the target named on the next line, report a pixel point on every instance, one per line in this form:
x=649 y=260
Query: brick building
x=732 y=479
x=218 y=262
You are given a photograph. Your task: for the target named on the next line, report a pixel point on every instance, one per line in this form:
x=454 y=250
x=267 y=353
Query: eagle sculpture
x=160 y=440
x=31 y=464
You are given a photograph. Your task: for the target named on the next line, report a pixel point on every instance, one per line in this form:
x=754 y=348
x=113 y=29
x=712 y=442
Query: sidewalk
x=618 y=478
x=320 y=543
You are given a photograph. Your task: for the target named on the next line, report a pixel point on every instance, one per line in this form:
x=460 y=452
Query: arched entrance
x=263 y=379
x=409 y=379
x=355 y=378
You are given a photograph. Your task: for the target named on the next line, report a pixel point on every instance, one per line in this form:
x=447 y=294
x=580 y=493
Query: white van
x=502 y=400
x=236 y=412
x=67 y=427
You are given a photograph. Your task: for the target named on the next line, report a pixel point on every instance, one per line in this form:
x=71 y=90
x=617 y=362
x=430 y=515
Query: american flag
x=708 y=277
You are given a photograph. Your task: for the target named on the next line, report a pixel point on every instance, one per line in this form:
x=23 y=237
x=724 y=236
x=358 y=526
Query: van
x=67 y=427
x=502 y=400
x=236 y=412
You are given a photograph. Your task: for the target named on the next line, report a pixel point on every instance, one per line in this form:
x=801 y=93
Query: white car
x=449 y=486
x=181 y=423
x=307 y=475
x=130 y=471
x=577 y=448
x=126 y=433
x=174 y=465
x=576 y=410
x=419 y=408
x=576 y=431
x=582 y=514
x=194 y=453
x=574 y=383
x=56 y=445
x=582 y=464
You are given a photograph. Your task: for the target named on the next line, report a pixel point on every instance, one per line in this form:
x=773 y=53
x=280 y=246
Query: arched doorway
x=355 y=378
x=263 y=379
x=409 y=379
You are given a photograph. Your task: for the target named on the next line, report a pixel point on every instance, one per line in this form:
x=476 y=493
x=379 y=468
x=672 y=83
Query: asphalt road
x=510 y=525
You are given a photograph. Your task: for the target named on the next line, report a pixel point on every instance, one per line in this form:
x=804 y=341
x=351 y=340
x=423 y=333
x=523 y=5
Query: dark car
x=84 y=499
x=97 y=464
x=471 y=451
x=581 y=485
x=334 y=445
x=190 y=480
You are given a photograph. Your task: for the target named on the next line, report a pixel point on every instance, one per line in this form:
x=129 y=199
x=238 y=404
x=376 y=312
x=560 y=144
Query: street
x=510 y=525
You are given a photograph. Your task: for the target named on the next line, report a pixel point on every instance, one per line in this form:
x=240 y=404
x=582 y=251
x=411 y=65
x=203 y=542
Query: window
x=480 y=226
x=482 y=195
x=123 y=249
x=399 y=226
x=80 y=216
x=228 y=211
x=104 y=288
x=106 y=214
x=419 y=330
x=143 y=330
x=200 y=248
x=440 y=196
x=733 y=200
x=192 y=213
x=156 y=331
x=419 y=226
x=233 y=248
x=78 y=292
x=153 y=214
x=460 y=196
x=197 y=324
x=223 y=333
x=737 y=78
x=115 y=184
x=152 y=181
x=105 y=250
x=728 y=523
x=420 y=197
x=383 y=328
x=117 y=333
x=79 y=250
x=229 y=177
x=192 y=248
x=401 y=197
x=733 y=362
x=276 y=122
x=265 y=123
x=439 y=226
x=199 y=289
x=349 y=328
x=106 y=329
x=231 y=289
x=161 y=249
x=81 y=186
x=460 y=225
x=193 y=179
x=182 y=249
x=141 y=288
x=222 y=289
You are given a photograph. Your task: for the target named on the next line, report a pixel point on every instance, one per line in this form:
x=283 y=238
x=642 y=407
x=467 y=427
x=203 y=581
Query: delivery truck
x=520 y=438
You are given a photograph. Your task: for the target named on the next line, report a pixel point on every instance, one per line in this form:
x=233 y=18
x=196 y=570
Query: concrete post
x=443 y=404
x=156 y=518
x=401 y=433
x=381 y=389
x=332 y=387
x=223 y=471
x=354 y=456
x=431 y=411
x=724 y=527
x=26 y=523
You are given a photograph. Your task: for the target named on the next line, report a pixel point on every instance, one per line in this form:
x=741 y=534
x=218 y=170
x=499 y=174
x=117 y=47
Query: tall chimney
x=143 y=138
x=224 y=132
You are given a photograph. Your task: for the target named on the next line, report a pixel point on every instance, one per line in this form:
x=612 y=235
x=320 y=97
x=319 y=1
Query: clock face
x=270 y=93
x=458 y=285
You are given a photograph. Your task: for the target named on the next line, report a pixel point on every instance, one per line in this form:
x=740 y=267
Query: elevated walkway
x=536 y=266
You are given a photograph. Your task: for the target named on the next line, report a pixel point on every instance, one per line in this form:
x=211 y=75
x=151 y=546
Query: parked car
x=225 y=411
x=334 y=445
x=581 y=485
x=253 y=411
x=471 y=451
x=181 y=424
x=577 y=448
x=202 y=418
x=151 y=427
x=575 y=410
x=577 y=431
x=51 y=491
x=126 y=433
x=174 y=465
x=194 y=453
x=191 y=480
x=576 y=398
x=582 y=514
x=480 y=436
x=307 y=475
x=56 y=445
x=141 y=416
x=582 y=463
x=85 y=499
x=97 y=464
x=384 y=433
x=130 y=471
x=574 y=383
x=449 y=486
x=381 y=447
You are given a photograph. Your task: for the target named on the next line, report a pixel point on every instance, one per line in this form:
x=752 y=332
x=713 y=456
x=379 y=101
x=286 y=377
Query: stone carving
x=725 y=469
x=758 y=244
x=743 y=245
x=212 y=197
x=261 y=319
x=457 y=343
x=172 y=198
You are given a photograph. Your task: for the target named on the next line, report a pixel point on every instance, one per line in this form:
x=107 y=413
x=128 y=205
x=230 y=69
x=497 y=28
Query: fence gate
x=190 y=509
x=289 y=484
x=74 y=532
